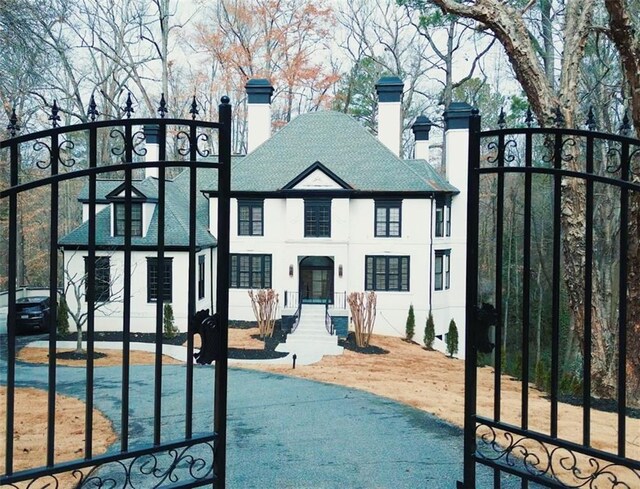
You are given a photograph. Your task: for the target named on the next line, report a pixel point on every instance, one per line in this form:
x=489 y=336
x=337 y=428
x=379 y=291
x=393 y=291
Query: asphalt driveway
x=285 y=432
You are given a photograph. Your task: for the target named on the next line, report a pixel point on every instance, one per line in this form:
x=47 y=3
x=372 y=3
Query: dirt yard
x=426 y=380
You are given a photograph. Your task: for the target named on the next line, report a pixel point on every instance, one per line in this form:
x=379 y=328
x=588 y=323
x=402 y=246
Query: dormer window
x=120 y=219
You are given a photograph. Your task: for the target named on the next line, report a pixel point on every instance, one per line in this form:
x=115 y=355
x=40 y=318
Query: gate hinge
x=486 y=316
x=206 y=326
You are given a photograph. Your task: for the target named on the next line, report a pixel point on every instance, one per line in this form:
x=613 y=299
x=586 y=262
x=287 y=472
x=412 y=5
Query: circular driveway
x=285 y=432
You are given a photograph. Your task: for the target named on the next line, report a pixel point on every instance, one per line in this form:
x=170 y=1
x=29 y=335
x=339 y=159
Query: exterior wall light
x=290 y=270
x=340 y=271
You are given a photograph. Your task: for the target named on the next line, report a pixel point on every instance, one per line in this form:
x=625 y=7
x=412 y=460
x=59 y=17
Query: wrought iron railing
x=328 y=321
x=292 y=299
x=296 y=318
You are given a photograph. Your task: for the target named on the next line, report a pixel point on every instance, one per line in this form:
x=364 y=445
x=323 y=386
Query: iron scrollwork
x=184 y=148
x=115 y=134
x=508 y=150
x=559 y=152
x=43 y=164
x=571 y=470
x=191 y=463
x=136 y=138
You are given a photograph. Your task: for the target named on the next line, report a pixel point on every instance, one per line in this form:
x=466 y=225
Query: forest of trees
x=550 y=55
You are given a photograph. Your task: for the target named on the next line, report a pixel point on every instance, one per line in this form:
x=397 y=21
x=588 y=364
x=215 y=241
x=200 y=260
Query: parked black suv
x=32 y=314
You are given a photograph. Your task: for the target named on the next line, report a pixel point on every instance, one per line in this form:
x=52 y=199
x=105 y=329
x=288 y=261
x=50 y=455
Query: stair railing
x=328 y=321
x=296 y=317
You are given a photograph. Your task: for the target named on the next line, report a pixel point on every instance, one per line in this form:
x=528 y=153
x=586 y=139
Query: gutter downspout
x=431 y=257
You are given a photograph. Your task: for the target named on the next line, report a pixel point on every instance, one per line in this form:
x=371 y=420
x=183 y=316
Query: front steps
x=311 y=338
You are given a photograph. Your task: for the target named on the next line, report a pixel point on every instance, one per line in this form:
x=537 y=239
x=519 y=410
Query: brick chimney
x=421 y=128
x=259 y=92
x=389 y=90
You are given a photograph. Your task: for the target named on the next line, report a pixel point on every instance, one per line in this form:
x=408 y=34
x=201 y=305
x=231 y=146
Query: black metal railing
x=46 y=159
x=550 y=214
x=296 y=318
x=292 y=299
x=328 y=320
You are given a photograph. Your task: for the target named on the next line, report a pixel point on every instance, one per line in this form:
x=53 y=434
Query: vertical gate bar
x=11 y=313
x=588 y=292
x=555 y=305
x=526 y=283
x=471 y=353
x=622 y=302
x=497 y=393
x=497 y=381
x=191 y=306
x=222 y=291
x=91 y=297
x=126 y=290
x=53 y=307
x=161 y=275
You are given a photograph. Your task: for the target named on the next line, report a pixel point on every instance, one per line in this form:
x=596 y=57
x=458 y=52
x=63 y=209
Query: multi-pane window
x=153 y=280
x=442 y=277
x=120 y=219
x=443 y=218
x=201 y=261
x=250 y=271
x=388 y=214
x=317 y=218
x=387 y=273
x=250 y=217
x=102 y=282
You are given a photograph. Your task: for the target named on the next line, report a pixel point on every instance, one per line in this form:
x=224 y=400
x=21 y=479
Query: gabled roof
x=343 y=146
x=317 y=167
x=176 y=219
x=107 y=189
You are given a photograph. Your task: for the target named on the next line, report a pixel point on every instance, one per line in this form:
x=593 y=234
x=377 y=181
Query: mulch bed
x=350 y=344
x=234 y=353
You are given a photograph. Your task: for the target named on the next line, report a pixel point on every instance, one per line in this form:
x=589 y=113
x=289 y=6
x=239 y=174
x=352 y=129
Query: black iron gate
x=551 y=336
x=144 y=242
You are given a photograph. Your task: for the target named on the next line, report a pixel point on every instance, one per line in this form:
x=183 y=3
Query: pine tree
x=63 y=317
x=411 y=324
x=170 y=330
x=429 y=332
x=452 y=339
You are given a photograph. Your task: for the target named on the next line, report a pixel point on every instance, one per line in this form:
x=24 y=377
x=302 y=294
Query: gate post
x=471 y=298
x=222 y=292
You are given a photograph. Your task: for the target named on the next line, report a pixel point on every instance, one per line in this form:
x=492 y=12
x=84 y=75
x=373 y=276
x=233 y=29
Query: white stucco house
x=319 y=209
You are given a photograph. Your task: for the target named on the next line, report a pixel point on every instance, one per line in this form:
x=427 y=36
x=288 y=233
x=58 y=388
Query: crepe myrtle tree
x=105 y=294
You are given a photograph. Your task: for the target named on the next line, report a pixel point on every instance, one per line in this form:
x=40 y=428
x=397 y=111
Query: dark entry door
x=316 y=279
x=166 y=423
x=551 y=310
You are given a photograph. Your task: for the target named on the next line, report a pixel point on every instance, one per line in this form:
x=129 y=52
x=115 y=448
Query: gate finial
x=529 y=118
x=194 y=109
x=13 y=126
x=54 y=117
x=93 y=109
x=625 y=128
x=591 y=120
x=128 y=108
x=502 y=121
x=163 y=107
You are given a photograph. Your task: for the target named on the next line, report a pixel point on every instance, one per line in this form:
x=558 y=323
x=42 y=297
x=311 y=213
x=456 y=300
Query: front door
x=316 y=279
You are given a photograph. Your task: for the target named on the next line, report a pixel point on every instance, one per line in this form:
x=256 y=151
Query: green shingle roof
x=176 y=218
x=342 y=145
